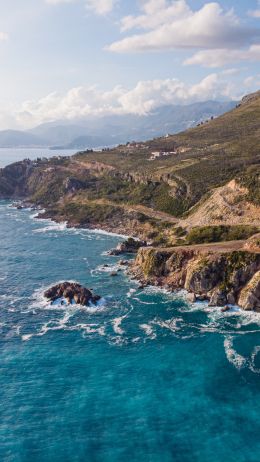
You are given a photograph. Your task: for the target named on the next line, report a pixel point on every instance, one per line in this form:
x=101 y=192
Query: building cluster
x=159 y=154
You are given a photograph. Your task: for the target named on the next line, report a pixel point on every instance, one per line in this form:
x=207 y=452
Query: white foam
x=131 y=292
x=252 y=366
x=27 y=337
x=171 y=324
x=233 y=357
x=117 y=325
x=108 y=233
x=149 y=331
x=52 y=227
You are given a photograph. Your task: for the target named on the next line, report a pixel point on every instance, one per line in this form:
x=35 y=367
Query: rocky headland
x=222 y=275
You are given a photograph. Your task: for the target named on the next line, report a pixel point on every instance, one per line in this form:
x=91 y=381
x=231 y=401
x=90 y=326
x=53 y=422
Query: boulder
x=231 y=299
x=71 y=292
x=191 y=297
x=218 y=298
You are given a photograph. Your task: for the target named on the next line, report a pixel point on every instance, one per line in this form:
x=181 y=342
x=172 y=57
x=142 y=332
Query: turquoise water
x=144 y=377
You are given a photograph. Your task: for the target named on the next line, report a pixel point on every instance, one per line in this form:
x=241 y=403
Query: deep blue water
x=144 y=377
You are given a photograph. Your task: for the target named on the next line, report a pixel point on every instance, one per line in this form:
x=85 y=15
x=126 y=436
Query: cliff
x=220 y=274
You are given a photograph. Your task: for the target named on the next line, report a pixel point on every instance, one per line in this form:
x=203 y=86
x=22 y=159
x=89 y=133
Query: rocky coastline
x=221 y=277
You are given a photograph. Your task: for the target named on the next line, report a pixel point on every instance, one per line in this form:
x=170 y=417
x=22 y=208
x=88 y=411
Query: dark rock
x=113 y=274
x=71 y=291
x=218 y=298
x=191 y=298
x=231 y=298
x=129 y=246
x=71 y=185
x=123 y=263
x=201 y=297
x=225 y=309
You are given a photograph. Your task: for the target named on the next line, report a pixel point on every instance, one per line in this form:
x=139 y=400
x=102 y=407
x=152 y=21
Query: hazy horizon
x=66 y=59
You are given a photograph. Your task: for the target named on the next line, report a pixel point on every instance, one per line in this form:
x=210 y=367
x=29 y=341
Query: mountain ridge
x=114 y=129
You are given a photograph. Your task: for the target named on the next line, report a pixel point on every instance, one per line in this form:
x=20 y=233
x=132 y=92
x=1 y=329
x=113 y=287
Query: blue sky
x=66 y=59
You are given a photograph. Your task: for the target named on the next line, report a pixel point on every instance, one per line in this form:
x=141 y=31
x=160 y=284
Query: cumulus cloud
x=146 y=96
x=156 y=13
x=175 y=25
x=99 y=7
x=221 y=57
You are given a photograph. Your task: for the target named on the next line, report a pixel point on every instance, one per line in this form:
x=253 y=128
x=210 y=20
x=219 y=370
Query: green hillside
x=127 y=182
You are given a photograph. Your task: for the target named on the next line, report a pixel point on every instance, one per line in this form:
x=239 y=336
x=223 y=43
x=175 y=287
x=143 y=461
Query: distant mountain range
x=115 y=129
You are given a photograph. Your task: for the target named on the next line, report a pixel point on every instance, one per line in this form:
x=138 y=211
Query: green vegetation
x=98 y=187
x=251 y=180
x=209 y=234
x=153 y=262
x=235 y=262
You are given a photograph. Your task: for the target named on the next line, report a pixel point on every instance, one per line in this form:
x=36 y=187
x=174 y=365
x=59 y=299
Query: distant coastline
x=10 y=155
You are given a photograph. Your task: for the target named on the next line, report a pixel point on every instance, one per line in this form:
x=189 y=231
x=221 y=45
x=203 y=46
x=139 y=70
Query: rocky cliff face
x=13 y=179
x=218 y=276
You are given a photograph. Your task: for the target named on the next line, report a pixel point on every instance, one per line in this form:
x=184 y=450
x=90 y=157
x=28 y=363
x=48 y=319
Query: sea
x=8 y=156
x=143 y=376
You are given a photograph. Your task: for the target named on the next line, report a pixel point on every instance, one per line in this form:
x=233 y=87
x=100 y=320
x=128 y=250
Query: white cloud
x=221 y=57
x=174 y=25
x=253 y=81
x=156 y=13
x=99 y=7
x=146 y=96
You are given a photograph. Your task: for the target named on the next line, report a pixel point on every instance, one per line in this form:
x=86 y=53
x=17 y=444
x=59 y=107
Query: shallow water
x=144 y=375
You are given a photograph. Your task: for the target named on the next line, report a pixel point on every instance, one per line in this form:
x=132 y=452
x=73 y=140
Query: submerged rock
x=71 y=292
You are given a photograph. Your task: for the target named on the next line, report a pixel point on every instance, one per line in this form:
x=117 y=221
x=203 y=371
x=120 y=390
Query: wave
x=233 y=357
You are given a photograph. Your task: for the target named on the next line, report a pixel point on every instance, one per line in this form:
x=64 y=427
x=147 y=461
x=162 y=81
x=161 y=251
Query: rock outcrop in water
x=72 y=293
x=221 y=277
x=129 y=246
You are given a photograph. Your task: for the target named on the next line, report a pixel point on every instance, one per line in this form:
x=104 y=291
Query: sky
x=72 y=59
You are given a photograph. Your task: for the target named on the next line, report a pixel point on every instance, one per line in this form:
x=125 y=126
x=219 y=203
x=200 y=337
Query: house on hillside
x=160 y=154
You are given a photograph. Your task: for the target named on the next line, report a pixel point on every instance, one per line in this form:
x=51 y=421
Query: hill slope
x=126 y=187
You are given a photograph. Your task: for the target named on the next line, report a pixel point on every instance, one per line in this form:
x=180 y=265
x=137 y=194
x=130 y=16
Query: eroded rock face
x=250 y=296
x=220 y=277
x=203 y=274
x=72 y=293
x=218 y=298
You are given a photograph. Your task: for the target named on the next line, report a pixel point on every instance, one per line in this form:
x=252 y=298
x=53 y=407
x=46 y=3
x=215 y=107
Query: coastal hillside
x=205 y=177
